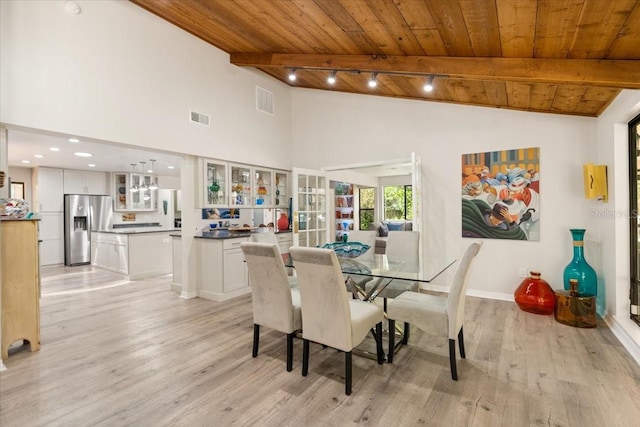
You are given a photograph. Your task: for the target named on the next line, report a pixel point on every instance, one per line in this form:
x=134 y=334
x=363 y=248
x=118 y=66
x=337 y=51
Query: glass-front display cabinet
x=281 y=189
x=215 y=183
x=241 y=185
x=131 y=192
x=263 y=187
x=144 y=198
x=121 y=194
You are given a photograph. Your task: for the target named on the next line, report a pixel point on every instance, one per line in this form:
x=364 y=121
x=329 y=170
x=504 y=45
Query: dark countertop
x=223 y=236
x=140 y=230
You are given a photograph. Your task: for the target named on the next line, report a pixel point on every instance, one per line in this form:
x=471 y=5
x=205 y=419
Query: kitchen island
x=221 y=272
x=136 y=252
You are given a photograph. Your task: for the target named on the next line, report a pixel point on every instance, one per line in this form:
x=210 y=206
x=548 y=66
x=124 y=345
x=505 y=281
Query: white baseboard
x=623 y=336
x=471 y=292
x=2 y=367
x=218 y=297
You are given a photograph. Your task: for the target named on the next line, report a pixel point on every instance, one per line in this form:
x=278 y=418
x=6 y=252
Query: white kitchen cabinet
x=285 y=241
x=48 y=193
x=84 y=182
x=51 y=233
x=110 y=251
x=221 y=272
x=235 y=269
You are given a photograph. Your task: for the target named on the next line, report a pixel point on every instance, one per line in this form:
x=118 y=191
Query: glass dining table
x=381 y=271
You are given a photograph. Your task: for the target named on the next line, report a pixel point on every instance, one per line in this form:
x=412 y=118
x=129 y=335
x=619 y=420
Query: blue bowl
x=348 y=249
x=213 y=225
x=259 y=201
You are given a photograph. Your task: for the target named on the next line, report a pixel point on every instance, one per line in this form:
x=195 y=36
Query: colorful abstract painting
x=501 y=194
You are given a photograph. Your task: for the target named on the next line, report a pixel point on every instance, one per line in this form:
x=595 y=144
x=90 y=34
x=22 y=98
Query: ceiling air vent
x=264 y=100
x=200 y=118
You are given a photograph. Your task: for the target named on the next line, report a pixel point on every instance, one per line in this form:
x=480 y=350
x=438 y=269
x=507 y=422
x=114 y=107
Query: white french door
x=310 y=207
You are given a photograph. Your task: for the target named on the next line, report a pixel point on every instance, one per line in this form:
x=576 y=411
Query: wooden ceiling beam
x=595 y=72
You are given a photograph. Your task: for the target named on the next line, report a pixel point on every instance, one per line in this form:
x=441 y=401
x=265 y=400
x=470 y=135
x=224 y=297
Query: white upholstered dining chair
x=275 y=304
x=270 y=237
x=331 y=317
x=422 y=310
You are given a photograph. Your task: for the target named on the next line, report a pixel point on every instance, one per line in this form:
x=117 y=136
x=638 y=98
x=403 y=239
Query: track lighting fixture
x=372 y=82
x=292 y=75
x=428 y=87
x=332 y=77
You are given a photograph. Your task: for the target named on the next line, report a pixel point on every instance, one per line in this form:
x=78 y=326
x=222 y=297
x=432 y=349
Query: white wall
x=22 y=175
x=613 y=218
x=367 y=129
x=118 y=73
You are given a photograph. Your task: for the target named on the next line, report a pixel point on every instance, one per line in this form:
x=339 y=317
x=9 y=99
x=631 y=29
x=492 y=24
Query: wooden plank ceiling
x=553 y=56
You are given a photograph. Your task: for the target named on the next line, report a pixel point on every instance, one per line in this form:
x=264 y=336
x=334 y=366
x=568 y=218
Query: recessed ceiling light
x=54 y=149
x=26 y=161
x=91 y=165
x=38 y=156
x=74 y=140
x=170 y=167
x=82 y=154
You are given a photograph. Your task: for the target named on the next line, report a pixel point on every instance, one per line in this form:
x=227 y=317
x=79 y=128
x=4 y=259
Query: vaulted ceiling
x=554 y=56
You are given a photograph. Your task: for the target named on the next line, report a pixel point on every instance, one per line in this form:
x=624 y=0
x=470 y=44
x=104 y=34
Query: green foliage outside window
x=398 y=202
x=367 y=205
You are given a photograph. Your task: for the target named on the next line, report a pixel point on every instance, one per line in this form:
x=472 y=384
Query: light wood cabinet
x=84 y=182
x=20 y=284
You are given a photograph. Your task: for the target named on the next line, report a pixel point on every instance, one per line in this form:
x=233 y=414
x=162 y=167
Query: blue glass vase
x=580 y=270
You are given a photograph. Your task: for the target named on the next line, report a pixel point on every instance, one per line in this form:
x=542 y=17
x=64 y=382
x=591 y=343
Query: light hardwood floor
x=118 y=353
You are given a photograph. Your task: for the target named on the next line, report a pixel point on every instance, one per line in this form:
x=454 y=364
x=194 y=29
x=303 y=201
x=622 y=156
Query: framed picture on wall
x=501 y=194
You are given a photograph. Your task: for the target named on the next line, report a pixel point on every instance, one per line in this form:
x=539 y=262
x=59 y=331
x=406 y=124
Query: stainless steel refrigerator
x=84 y=214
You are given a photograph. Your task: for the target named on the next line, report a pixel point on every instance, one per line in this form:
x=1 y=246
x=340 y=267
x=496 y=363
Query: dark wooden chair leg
x=405 y=336
x=379 y=348
x=461 y=343
x=305 y=357
x=290 y=351
x=452 y=359
x=392 y=340
x=256 y=339
x=348 y=373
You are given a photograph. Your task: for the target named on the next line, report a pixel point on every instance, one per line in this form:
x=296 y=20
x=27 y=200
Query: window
x=634 y=203
x=398 y=202
x=367 y=198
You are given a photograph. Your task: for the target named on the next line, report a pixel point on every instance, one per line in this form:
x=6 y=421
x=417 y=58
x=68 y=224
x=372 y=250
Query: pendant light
x=154 y=184
x=134 y=186
x=143 y=186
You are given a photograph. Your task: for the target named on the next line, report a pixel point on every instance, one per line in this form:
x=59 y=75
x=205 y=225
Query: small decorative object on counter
x=535 y=295
x=574 y=309
x=14 y=208
x=580 y=270
x=283 y=222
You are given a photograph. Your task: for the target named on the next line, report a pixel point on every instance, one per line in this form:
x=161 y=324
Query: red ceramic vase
x=535 y=295
x=283 y=222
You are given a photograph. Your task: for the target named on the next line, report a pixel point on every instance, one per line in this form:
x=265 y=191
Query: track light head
x=428 y=87
x=292 y=75
x=372 y=82
x=332 y=77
